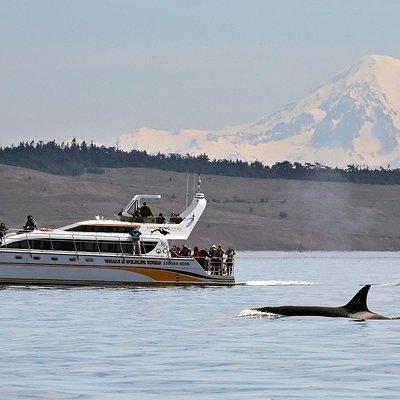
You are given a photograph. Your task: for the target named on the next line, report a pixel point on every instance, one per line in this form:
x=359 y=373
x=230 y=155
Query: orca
x=356 y=308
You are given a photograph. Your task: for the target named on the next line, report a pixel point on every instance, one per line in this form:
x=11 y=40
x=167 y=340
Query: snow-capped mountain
x=353 y=119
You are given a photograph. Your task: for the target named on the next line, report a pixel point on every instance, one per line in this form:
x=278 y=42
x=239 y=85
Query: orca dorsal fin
x=359 y=301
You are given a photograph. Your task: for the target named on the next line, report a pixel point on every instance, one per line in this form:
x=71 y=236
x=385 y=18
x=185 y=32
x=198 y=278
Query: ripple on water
x=179 y=343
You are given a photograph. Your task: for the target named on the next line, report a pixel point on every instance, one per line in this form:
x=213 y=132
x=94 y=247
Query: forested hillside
x=79 y=158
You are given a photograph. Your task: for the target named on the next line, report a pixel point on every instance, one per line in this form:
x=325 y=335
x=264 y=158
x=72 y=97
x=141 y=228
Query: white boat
x=99 y=252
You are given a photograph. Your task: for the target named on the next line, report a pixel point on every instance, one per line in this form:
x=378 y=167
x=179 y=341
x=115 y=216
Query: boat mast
x=187 y=189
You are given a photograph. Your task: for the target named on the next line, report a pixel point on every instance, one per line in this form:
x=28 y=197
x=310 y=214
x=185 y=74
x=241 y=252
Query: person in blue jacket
x=135 y=235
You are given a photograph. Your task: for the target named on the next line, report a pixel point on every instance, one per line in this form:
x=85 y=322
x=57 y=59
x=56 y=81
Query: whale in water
x=356 y=308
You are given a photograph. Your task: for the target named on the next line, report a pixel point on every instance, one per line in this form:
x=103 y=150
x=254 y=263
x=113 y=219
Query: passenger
x=175 y=218
x=216 y=259
x=230 y=255
x=186 y=251
x=137 y=217
x=178 y=251
x=213 y=250
x=135 y=235
x=205 y=259
x=219 y=253
x=3 y=230
x=174 y=251
x=145 y=211
x=160 y=219
x=30 y=224
x=196 y=254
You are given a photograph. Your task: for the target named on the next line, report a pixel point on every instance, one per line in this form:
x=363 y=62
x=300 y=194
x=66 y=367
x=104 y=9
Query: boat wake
x=254 y=314
x=277 y=283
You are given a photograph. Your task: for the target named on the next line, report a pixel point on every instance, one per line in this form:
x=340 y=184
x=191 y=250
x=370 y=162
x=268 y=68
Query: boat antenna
x=187 y=189
x=194 y=184
x=198 y=184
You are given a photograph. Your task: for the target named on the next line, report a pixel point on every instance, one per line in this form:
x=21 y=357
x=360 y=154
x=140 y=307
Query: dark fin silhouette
x=359 y=301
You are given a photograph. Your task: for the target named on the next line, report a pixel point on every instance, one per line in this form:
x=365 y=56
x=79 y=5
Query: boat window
x=147 y=247
x=89 y=246
x=110 y=247
x=83 y=246
x=100 y=229
x=18 y=257
x=21 y=244
x=43 y=244
x=54 y=258
x=63 y=245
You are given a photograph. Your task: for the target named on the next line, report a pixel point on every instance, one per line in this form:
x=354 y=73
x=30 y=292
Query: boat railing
x=221 y=266
x=216 y=265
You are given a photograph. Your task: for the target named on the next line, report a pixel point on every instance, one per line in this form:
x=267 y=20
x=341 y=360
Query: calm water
x=181 y=343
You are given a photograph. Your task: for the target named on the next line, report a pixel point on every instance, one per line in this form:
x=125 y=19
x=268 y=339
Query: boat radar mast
x=134 y=204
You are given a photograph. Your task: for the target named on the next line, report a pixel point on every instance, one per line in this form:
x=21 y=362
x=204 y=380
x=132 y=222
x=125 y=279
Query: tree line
x=78 y=158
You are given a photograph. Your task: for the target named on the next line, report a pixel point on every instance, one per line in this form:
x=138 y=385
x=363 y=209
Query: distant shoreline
x=272 y=215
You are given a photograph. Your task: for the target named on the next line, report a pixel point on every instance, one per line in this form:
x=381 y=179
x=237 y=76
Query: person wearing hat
x=214 y=261
x=212 y=250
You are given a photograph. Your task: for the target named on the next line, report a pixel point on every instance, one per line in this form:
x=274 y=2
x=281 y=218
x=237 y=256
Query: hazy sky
x=97 y=69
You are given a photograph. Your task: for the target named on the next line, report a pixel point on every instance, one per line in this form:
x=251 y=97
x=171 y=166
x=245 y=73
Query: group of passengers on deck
x=144 y=214
x=213 y=257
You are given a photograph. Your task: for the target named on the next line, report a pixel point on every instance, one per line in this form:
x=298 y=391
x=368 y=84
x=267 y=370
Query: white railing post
x=29 y=246
x=97 y=244
x=76 y=250
x=120 y=245
x=51 y=243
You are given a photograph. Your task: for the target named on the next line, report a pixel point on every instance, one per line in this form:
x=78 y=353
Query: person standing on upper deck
x=30 y=224
x=135 y=235
x=145 y=211
x=3 y=230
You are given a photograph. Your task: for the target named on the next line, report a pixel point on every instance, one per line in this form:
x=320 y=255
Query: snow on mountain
x=353 y=119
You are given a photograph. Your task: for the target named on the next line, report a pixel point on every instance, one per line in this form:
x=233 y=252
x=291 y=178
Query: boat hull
x=92 y=269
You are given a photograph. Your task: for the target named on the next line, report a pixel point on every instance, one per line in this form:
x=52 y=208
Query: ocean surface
x=188 y=343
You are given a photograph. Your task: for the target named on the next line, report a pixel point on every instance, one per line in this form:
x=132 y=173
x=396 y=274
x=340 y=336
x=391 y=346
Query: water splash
x=255 y=314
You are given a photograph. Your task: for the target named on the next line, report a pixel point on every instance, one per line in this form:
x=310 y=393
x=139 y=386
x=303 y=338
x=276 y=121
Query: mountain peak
x=380 y=72
x=353 y=119
x=376 y=59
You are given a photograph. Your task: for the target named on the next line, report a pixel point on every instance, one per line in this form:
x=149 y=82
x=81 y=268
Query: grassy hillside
x=250 y=214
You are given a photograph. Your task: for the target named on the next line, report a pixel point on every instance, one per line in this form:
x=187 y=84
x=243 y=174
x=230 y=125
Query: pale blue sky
x=97 y=69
